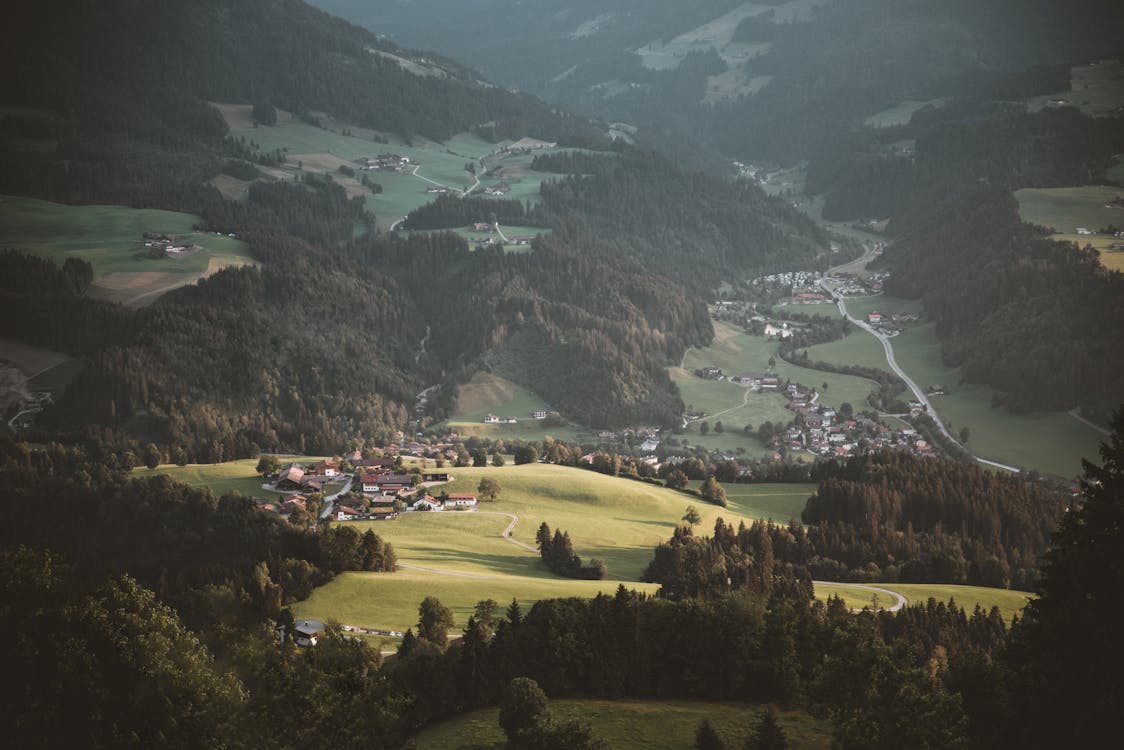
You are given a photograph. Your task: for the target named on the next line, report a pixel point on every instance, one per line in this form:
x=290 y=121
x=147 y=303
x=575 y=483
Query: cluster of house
x=386 y=162
x=170 y=245
x=789 y=283
x=850 y=285
x=493 y=419
x=758 y=381
x=890 y=324
x=821 y=431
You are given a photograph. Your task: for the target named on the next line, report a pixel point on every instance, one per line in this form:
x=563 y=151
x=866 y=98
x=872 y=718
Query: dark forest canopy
x=1038 y=319
x=882 y=517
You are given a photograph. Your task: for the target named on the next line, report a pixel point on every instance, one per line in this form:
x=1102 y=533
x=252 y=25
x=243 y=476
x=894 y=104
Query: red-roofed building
x=290 y=477
x=461 y=500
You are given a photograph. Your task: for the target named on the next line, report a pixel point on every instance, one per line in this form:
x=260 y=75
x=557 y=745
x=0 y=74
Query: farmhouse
x=393 y=483
x=344 y=513
x=482 y=226
x=782 y=330
x=649 y=445
x=305 y=632
x=425 y=502
x=370 y=482
x=327 y=468
x=539 y=414
x=491 y=419
x=874 y=317
x=435 y=476
x=461 y=500
x=290 y=478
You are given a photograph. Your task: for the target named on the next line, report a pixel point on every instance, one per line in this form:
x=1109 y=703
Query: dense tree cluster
x=212 y=558
x=1032 y=317
x=557 y=553
x=885 y=516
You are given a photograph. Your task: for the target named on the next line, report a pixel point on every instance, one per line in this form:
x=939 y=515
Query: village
x=821 y=430
x=369 y=489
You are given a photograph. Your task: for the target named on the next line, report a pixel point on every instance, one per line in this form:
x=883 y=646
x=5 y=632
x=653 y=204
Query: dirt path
x=899 y=600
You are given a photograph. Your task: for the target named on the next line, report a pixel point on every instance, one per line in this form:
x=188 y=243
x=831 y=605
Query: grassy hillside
x=231 y=476
x=464 y=559
x=1009 y=602
x=1063 y=210
x=635 y=725
x=324 y=149
x=110 y=239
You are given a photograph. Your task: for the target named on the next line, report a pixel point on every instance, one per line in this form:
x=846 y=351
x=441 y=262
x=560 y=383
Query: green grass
x=779 y=502
x=110 y=239
x=487 y=393
x=230 y=476
x=1097 y=89
x=617 y=520
x=860 y=348
x=1065 y=209
x=635 y=725
x=389 y=601
x=1052 y=442
x=1009 y=602
x=901 y=113
x=442 y=163
x=737 y=352
x=1115 y=173
x=860 y=307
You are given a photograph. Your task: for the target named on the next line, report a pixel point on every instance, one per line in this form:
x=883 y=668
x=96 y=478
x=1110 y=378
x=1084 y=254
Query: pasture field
x=860 y=307
x=110 y=239
x=1063 y=210
x=860 y=348
x=1052 y=442
x=1097 y=89
x=1115 y=173
x=389 y=601
x=902 y=113
x=230 y=476
x=464 y=559
x=320 y=150
x=780 y=502
x=635 y=725
x=488 y=393
x=828 y=310
x=31 y=360
x=1009 y=602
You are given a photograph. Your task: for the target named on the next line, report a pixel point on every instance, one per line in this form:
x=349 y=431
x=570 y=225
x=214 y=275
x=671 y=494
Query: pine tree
x=706 y=738
x=769 y=734
x=1067 y=648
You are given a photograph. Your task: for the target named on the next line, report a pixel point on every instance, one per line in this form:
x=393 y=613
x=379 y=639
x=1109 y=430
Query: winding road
x=826 y=283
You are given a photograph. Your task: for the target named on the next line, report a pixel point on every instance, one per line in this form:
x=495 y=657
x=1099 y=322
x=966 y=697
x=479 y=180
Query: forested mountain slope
x=319 y=344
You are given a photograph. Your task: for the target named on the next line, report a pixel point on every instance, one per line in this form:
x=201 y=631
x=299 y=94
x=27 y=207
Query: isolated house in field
x=290 y=478
x=539 y=414
x=435 y=476
x=460 y=500
x=482 y=226
x=305 y=632
x=874 y=317
x=491 y=419
x=782 y=330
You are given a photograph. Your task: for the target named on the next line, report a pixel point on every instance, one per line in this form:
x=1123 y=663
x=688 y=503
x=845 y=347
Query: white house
x=425 y=502
x=461 y=500
x=783 y=330
x=649 y=445
x=305 y=632
x=491 y=419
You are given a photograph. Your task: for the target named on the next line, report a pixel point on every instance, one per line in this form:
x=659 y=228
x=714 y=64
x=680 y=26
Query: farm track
x=899 y=600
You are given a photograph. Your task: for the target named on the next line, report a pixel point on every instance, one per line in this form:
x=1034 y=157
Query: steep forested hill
x=319 y=344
